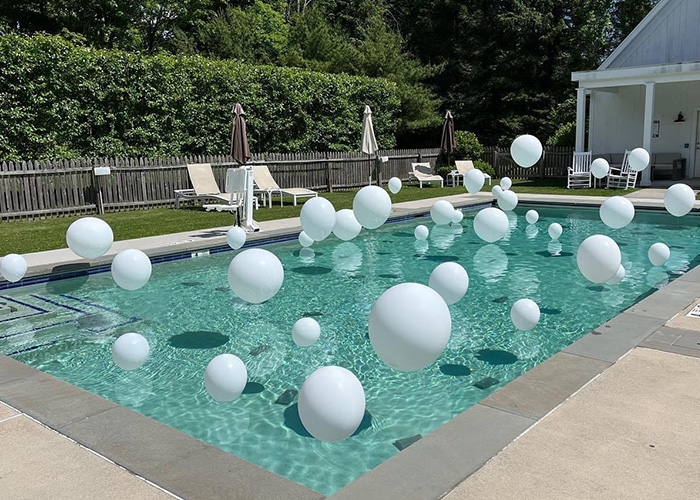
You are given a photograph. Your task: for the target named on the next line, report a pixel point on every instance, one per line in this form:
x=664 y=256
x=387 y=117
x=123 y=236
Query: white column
x=580 y=118
x=648 y=121
x=591 y=118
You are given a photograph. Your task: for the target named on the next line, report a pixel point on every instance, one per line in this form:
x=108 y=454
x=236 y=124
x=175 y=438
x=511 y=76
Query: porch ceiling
x=619 y=77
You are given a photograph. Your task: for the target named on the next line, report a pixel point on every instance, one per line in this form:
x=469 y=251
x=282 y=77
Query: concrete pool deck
x=431 y=467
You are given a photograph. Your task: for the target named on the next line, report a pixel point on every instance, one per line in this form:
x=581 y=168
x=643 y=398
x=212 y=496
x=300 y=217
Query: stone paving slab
x=666 y=339
x=7 y=412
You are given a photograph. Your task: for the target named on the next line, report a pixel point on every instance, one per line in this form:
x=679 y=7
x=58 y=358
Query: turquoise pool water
x=189 y=315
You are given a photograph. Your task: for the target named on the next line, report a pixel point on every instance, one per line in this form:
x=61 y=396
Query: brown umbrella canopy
x=239 y=138
x=447 y=143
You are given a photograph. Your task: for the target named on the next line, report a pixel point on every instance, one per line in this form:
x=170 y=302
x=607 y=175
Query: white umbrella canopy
x=369 y=141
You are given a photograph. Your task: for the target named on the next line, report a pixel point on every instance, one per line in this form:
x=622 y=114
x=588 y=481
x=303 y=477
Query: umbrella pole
x=369 y=160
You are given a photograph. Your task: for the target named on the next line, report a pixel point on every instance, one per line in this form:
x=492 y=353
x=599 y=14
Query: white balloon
x=395 y=185
x=491 y=224
x=225 y=377
x=600 y=168
x=235 y=237
x=346 y=225
x=507 y=201
x=474 y=180
x=131 y=269
x=555 y=230
x=457 y=217
x=639 y=159
x=616 y=212
x=372 y=206
x=658 y=254
x=421 y=232
x=306 y=332
x=409 y=326
x=532 y=216
x=130 y=351
x=318 y=218
x=506 y=183
x=525 y=314
x=450 y=280
x=89 y=237
x=13 y=267
x=619 y=276
x=526 y=150
x=679 y=199
x=255 y=275
x=305 y=240
x=496 y=191
x=598 y=258
x=441 y=212
x=331 y=404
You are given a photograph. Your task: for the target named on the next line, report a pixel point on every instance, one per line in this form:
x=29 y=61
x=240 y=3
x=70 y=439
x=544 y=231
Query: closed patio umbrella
x=447 y=144
x=369 y=142
x=239 y=138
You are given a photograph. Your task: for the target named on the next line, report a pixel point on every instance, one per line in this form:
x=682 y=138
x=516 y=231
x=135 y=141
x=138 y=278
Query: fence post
x=495 y=162
x=420 y=156
x=329 y=181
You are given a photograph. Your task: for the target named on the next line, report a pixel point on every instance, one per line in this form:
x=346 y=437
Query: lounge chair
x=579 y=173
x=623 y=177
x=463 y=166
x=423 y=173
x=204 y=187
x=267 y=186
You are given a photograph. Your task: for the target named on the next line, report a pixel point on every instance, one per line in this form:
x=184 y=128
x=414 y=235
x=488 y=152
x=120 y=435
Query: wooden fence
x=552 y=165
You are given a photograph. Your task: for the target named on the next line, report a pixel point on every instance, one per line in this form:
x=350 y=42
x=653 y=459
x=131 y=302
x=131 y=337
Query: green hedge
x=60 y=100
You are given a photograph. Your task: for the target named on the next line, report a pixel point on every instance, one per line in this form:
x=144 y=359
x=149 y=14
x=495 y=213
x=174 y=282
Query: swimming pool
x=189 y=315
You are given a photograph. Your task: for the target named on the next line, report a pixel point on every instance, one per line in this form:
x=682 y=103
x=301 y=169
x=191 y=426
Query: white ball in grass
x=525 y=314
x=306 y=332
x=225 y=377
x=235 y=237
x=395 y=185
x=506 y=183
x=658 y=254
x=474 y=180
x=13 y=267
x=89 y=237
x=600 y=168
x=131 y=269
x=130 y=351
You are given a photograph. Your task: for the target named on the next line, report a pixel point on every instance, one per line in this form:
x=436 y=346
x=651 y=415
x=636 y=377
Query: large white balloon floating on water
x=525 y=314
x=598 y=258
x=225 y=377
x=532 y=216
x=474 y=180
x=255 y=275
x=395 y=185
x=619 y=276
x=496 y=191
x=89 y=237
x=331 y=404
x=450 y=280
x=658 y=254
x=131 y=269
x=442 y=212
x=600 y=168
x=506 y=183
x=507 y=201
x=13 y=267
x=305 y=240
x=409 y=326
x=679 y=199
x=639 y=159
x=306 y=332
x=130 y=351
x=491 y=224
x=526 y=150
x=555 y=230
x=346 y=225
x=318 y=218
x=421 y=232
x=616 y=212
x=235 y=237
x=372 y=206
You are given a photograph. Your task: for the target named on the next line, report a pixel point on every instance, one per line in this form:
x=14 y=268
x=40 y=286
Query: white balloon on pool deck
x=598 y=258
x=506 y=183
x=131 y=269
x=346 y=225
x=306 y=332
x=507 y=201
x=130 y=351
x=305 y=240
x=555 y=230
x=491 y=224
x=600 y=168
x=89 y=237
x=13 y=267
x=525 y=314
x=372 y=206
x=255 y=275
x=235 y=237
x=457 y=217
x=225 y=377
x=318 y=218
x=421 y=232
x=616 y=212
x=331 y=404
x=526 y=150
x=474 y=180
x=619 y=276
x=395 y=185
x=441 y=212
x=450 y=280
x=679 y=199
x=639 y=159
x=658 y=254
x=532 y=216
x=409 y=326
